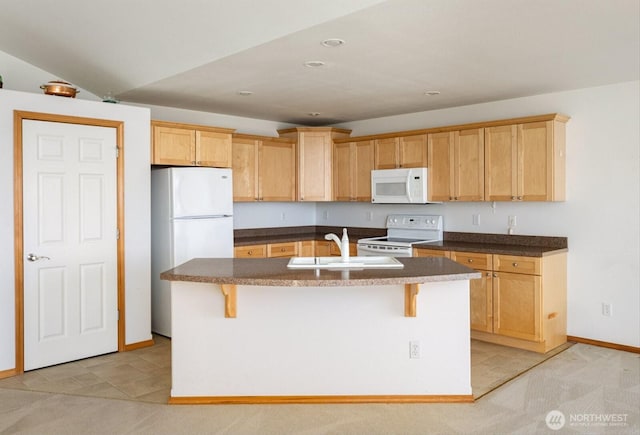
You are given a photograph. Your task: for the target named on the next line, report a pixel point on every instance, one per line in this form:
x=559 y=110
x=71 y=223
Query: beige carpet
x=144 y=375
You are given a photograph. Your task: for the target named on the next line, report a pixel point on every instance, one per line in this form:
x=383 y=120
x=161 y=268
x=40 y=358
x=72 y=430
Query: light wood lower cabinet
x=267 y=250
x=250 y=251
x=302 y=248
x=328 y=248
x=426 y=252
x=285 y=249
x=519 y=301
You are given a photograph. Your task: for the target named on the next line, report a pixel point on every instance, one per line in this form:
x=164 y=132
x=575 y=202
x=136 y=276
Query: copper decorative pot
x=60 y=88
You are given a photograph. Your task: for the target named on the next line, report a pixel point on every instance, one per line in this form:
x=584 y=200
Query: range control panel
x=414 y=222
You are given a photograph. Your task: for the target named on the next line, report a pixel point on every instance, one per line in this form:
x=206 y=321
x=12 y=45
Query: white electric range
x=403 y=231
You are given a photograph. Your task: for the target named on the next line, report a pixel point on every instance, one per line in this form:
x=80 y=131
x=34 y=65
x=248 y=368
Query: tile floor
x=587 y=384
x=145 y=374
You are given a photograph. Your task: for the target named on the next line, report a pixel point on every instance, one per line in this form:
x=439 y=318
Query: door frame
x=18 y=117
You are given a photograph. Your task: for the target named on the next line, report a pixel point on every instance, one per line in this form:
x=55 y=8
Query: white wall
x=600 y=216
x=137 y=208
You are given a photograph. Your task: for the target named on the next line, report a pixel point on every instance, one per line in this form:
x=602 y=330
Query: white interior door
x=70 y=242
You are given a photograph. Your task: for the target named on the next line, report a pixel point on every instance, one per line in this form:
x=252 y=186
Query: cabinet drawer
x=286 y=249
x=425 y=252
x=250 y=251
x=474 y=260
x=516 y=264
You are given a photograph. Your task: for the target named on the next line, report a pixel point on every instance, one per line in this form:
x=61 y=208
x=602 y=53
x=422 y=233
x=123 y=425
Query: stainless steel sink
x=336 y=263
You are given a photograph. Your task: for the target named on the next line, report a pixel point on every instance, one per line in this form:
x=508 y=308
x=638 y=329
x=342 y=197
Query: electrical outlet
x=512 y=221
x=606 y=309
x=414 y=349
x=325 y=215
x=475 y=218
x=369 y=216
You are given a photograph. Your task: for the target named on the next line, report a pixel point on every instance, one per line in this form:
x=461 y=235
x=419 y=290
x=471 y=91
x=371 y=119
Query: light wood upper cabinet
x=352 y=165
x=190 y=145
x=277 y=171
x=263 y=169
x=213 y=149
x=314 y=160
x=401 y=152
x=413 y=151
x=245 y=163
x=456 y=168
x=525 y=162
x=387 y=155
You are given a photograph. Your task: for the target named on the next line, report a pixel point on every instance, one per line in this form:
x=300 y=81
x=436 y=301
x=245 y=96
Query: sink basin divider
x=410 y=297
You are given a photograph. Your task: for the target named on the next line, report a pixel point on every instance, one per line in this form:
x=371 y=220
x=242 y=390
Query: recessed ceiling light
x=314 y=63
x=245 y=93
x=333 y=42
x=432 y=93
x=314 y=113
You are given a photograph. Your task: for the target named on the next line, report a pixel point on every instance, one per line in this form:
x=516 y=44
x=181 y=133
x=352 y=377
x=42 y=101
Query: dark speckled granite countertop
x=274 y=272
x=529 y=246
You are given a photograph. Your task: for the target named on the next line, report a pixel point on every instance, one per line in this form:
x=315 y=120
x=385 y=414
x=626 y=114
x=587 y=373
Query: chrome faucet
x=343 y=244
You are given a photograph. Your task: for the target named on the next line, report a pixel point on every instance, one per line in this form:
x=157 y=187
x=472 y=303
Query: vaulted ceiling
x=201 y=54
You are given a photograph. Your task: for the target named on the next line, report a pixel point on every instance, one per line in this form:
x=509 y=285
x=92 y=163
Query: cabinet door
x=245 y=169
x=535 y=161
x=481 y=302
x=173 y=146
x=413 y=151
x=276 y=171
x=440 y=173
x=213 y=149
x=343 y=177
x=314 y=166
x=250 y=251
x=306 y=248
x=468 y=168
x=516 y=305
x=362 y=166
x=285 y=249
x=323 y=248
x=386 y=156
x=500 y=164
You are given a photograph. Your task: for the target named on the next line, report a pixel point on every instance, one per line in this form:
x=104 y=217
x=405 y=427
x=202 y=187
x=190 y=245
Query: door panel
x=69 y=225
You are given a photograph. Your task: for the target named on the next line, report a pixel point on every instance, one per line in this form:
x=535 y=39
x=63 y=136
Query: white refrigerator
x=191 y=217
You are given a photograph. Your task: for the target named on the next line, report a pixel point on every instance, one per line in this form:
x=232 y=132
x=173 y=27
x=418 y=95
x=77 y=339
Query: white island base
x=320 y=344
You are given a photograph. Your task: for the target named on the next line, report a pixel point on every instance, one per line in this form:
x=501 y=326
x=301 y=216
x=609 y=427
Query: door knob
x=34 y=257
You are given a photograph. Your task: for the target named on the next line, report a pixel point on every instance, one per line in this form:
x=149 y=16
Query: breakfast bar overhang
x=254 y=331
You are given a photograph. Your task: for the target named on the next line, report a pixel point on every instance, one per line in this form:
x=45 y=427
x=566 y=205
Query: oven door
x=376 y=250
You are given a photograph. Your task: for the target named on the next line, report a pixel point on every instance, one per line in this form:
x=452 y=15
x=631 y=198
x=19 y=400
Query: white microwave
x=399 y=186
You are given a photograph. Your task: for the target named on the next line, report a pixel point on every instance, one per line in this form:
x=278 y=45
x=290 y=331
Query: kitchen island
x=254 y=331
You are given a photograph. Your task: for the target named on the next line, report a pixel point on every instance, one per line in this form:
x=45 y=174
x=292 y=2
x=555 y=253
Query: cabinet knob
x=198 y=162
x=515 y=264
x=519 y=198
x=249 y=252
x=495 y=275
x=488 y=273
x=282 y=249
x=470 y=260
x=513 y=198
x=193 y=162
